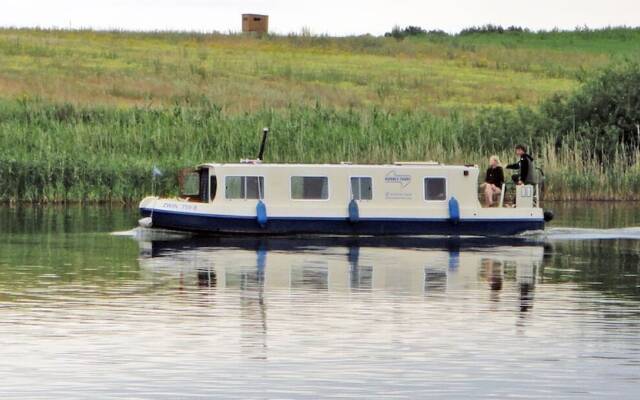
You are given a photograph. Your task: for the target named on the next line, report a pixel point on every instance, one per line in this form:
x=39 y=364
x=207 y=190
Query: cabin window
x=435 y=189
x=244 y=187
x=191 y=184
x=309 y=187
x=361 y=188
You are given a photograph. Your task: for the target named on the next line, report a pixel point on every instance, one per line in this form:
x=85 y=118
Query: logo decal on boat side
x=184 y=207
x=398 y=196
x=393 y=177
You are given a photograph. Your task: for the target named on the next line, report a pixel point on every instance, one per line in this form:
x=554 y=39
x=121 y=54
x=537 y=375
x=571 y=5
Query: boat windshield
x=194 y=185
x=190 y=185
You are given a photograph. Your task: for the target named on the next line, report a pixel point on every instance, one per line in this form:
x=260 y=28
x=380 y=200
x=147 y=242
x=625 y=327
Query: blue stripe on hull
x=337 y=226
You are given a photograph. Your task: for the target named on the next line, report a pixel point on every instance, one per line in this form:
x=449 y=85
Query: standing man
x=525 y=175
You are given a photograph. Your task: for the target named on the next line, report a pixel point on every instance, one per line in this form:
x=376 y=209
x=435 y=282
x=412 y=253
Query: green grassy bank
x=241 y=73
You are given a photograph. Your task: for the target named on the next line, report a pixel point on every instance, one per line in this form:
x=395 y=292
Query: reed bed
x=61 y=153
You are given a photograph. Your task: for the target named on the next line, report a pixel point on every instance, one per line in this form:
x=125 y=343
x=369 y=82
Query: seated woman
x=493 y=181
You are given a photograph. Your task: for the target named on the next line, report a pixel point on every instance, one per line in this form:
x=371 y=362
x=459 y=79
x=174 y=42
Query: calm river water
x=85 y=313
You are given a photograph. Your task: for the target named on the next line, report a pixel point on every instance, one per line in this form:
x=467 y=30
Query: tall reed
x=59 y=152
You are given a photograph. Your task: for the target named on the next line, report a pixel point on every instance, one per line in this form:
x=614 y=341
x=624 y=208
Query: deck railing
x=507 y=197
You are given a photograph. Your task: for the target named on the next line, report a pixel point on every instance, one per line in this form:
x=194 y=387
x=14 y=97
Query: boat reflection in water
x=413 y=266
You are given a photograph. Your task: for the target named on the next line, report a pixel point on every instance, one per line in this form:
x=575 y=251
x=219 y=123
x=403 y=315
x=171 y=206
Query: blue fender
x=354 y=212
x=261 y=214
x=454 y=210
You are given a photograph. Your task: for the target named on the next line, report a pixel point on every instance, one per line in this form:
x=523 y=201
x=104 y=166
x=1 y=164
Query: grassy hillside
x=243 y=73
x=85 y=115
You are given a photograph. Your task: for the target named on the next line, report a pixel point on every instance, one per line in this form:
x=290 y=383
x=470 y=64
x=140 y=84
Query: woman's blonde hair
x=494 y=157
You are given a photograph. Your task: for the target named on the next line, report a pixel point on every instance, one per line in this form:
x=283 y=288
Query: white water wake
x=551 y=234
x=146 y=234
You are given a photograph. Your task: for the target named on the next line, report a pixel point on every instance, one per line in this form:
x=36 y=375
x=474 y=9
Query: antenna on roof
x=265 y=133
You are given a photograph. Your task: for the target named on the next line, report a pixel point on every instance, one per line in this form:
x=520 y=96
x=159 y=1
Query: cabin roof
x=401 y=164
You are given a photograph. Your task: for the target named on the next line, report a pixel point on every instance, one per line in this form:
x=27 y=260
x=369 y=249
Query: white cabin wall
x=402 y=195
x=406 y=197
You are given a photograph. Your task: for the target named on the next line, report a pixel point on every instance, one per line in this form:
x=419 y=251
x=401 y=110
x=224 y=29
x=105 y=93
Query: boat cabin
x=323 y=185
x=420 y=183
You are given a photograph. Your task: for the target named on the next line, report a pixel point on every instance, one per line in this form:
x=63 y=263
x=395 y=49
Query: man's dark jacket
x=525 y=169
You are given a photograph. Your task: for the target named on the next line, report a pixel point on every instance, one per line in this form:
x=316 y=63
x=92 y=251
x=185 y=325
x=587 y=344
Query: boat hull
x=215 y=224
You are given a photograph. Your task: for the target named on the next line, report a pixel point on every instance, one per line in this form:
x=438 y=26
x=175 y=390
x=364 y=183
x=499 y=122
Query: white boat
x=402 y=198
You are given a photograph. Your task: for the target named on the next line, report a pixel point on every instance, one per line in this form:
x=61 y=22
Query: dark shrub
x=603 y=114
